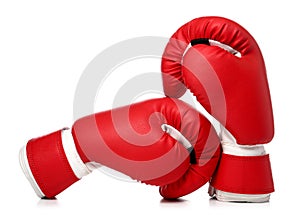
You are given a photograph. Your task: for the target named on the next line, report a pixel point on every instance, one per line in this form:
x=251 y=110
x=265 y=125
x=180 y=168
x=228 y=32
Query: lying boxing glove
x=152 y=141
x=222 y=65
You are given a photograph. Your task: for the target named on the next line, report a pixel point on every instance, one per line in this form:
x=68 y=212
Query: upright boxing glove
x=155 y=142
x=222 y=65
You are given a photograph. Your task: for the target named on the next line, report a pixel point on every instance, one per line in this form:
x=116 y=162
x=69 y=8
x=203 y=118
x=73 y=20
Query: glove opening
x=211 y=42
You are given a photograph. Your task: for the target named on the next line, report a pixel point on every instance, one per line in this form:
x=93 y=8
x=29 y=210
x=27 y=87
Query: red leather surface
x=130 y=139
x=244 y=174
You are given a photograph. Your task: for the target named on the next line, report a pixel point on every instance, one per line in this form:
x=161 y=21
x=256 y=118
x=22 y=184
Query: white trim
x=27 y=172
x=93 y=165
x=185 y=51
x=225 y=47
x=77 y=165
x=173 y=132
x=237 y=197
x=218 y=44
x=231 y=147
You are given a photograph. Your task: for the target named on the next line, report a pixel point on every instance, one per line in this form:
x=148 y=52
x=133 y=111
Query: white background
x=44 y=48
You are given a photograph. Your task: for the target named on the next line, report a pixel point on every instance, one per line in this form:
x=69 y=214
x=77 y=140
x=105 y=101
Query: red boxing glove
x=225 y=70
x=155 y=142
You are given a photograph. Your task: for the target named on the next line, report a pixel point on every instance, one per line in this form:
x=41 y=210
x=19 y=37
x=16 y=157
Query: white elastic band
x=77 y=165
x=237 y=197
x=27 y=172
x=173 y=132
x=230 y=146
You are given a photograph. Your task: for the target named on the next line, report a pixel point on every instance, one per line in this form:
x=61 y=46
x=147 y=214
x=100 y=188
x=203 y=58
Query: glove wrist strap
x=49 y=164
x=245 y=175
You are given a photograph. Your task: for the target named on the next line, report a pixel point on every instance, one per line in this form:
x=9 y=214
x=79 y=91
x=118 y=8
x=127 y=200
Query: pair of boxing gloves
x=166 y=142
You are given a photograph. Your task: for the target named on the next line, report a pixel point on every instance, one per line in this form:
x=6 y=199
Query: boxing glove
x=155 y=142
x=222 y=65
